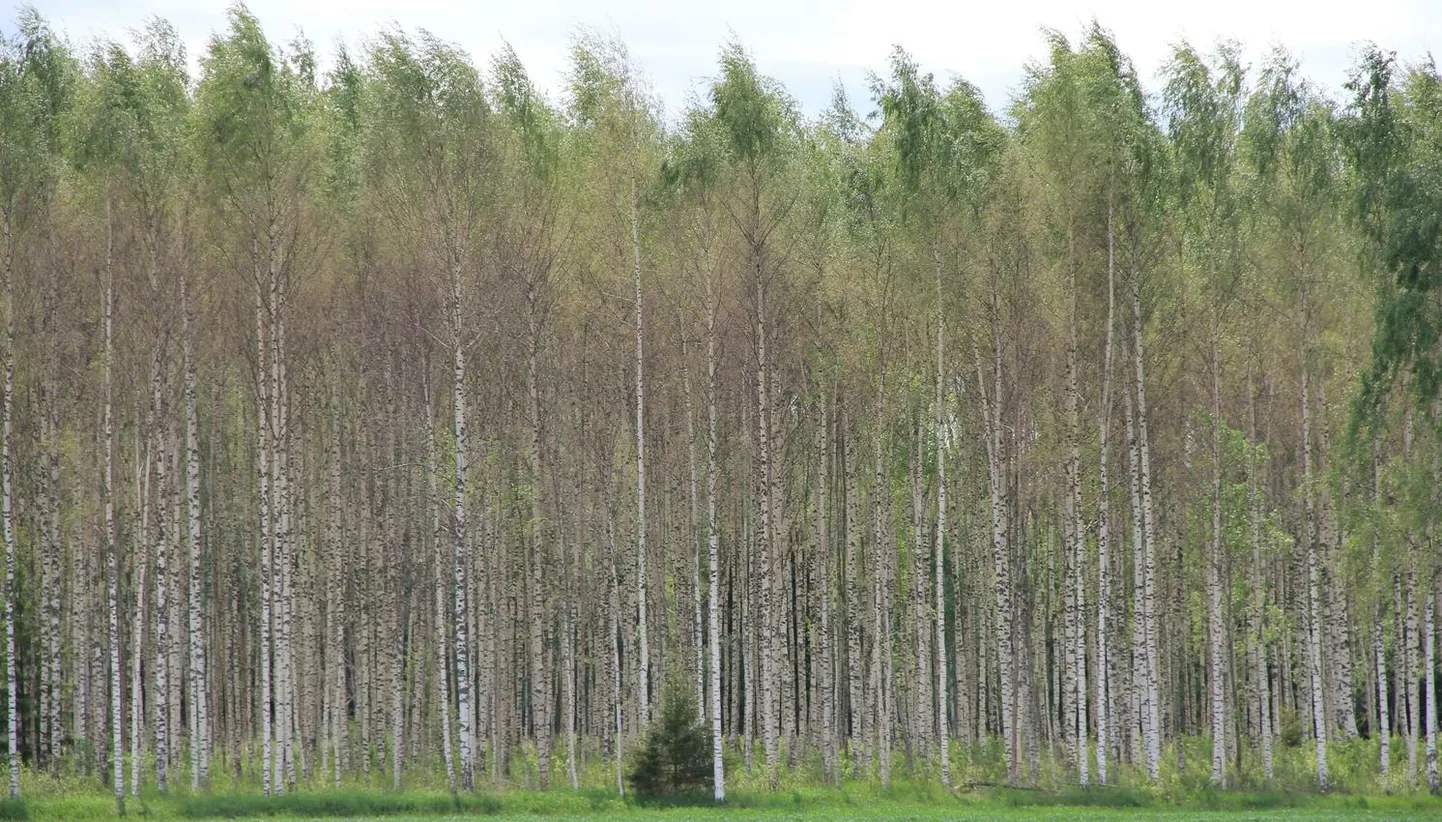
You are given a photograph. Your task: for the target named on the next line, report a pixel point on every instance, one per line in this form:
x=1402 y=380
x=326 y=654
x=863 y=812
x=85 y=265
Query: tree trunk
x=1259 y=594
x=198 y=714
x=713 y=542
x=1001 y=556
x=537 y=556
x=1076 y=550
x=7 y=516
x=943 y=731
x=1214 y=572
x=162 y=633
x=1104 y=580
x=1314 y=601
x=643 y=656
x=112 y=548
x=465 y=712
x=1429 y=662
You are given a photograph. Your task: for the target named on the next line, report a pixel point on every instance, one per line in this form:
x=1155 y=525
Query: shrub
x=676 y=754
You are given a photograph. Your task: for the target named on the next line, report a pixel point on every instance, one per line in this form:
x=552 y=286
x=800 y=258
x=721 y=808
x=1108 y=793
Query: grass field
x=906 y=802
x=1179 y=795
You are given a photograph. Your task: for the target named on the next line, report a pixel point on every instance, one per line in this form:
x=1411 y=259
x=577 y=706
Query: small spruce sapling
x=676 y=754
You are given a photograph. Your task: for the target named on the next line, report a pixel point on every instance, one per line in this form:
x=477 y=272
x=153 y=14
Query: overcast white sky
x=810 y=44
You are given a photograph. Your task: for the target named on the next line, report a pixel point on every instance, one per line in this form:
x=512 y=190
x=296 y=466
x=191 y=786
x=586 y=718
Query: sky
x=811 y=45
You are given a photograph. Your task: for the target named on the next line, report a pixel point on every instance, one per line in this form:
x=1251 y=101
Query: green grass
x=71 y=793
x=906 y=801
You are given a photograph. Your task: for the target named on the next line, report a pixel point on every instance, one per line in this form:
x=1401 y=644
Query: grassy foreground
x=1179 y=796
x=901 y=802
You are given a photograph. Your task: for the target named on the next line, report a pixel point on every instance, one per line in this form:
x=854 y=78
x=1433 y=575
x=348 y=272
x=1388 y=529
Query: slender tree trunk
x=1410 y=670
x=568 y=661
x=943 y=420
x=1076 y=550
x=7 y=515
x=336 y=730
x=263 y=445
x=643 y=656
x=465 y=710
x=162 y=634
x=1152 y=727
x=199 y=756
x=140 y=563
x=824 y=659
x=880 y=637
x=1001 y=555
x=1214 y=572
x=1429 y=662
x=112 y=548
x=1314 y=601
x=538 y=554
x=853 y=595
x=438 y=581
x=713 y=540
x=615 y=631
x=1104 y=579
x=1259 y=594
x=769 y=581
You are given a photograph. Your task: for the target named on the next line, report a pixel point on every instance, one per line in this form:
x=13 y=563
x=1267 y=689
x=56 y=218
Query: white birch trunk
x=465 y=711
x=140 y=564
x=1000 y=552
x=1261 y=674
x=1214 y=572
x=162 y=632
x=1429 y=662
x=643 y=656
x=7 y=516
x=112 y=549
x=263 y=446
x=943 y=729
x=1152 y=740
x=713 y=543
x=1076 y=551
x=1104 y=685
x=438 y=580
x=199 y=755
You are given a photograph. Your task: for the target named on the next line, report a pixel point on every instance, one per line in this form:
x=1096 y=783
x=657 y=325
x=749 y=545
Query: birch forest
x=383 y=420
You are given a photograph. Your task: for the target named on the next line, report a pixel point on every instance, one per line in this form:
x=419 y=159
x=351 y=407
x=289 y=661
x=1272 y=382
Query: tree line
x=397 y=419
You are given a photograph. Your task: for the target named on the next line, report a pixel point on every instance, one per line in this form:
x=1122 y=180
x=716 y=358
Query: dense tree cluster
x=398 y=419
